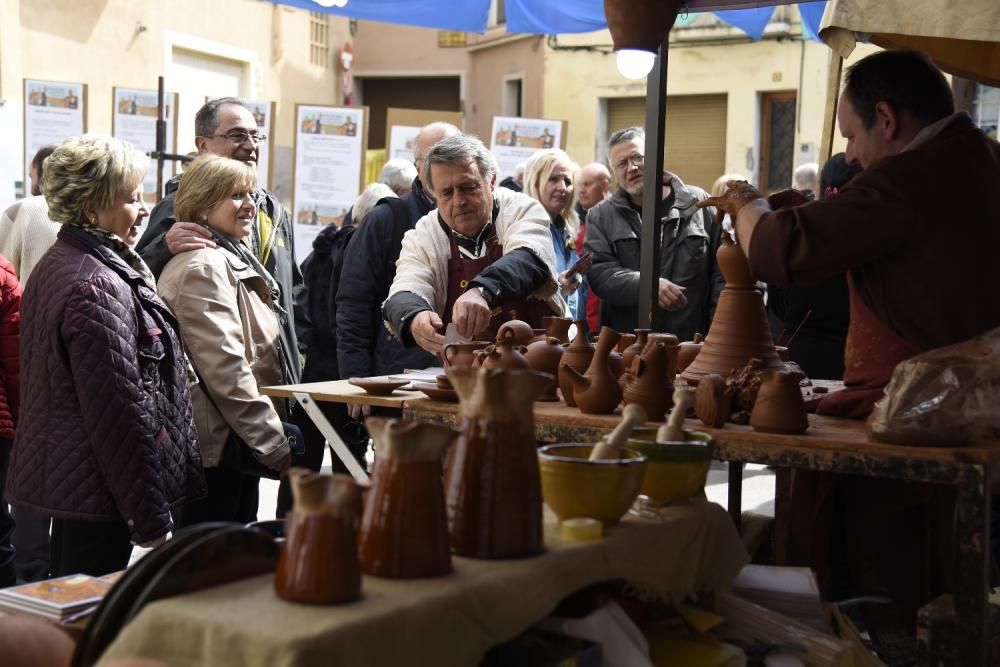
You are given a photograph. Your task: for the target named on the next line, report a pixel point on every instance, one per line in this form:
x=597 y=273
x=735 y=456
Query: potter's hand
x=739 y=194
x=787 y=199
x=424 y=329
x=471 y=313
x=671 y=296
x=185 y=236
x=359 y=412
x=569 y=283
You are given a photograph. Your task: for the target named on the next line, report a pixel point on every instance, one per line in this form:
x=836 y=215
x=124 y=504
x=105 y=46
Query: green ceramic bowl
x=574 y=486
x=675 y=471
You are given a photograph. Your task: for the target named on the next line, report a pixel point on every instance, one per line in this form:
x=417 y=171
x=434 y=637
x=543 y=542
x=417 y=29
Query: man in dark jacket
x=364 y=346
x=690 y=280
x=227 y=128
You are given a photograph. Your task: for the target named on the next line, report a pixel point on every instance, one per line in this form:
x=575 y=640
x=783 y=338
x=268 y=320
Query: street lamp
x=637 y=29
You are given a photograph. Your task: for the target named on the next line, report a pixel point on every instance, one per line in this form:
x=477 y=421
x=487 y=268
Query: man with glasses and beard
x=690 y=280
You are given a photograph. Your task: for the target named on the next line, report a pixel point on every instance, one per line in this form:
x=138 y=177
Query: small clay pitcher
x=624 y=343
x=687 y=351
x=673 y=345
x=779 y=407
x=462 y=354
x=521 y=331
x=318 y=563
x=596 y=392
x=404 y=531
x=506 y=353
x=578 y=355
x=638 y=345
x=492 y=485
x=557 y=327
x=544 y=356
x=650 y=386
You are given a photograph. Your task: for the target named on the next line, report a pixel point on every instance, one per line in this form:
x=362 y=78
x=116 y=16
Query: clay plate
x=376 y=386
x=436 y=393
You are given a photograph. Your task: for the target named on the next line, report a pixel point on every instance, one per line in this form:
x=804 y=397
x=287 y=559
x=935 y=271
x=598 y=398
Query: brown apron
x=461 y=271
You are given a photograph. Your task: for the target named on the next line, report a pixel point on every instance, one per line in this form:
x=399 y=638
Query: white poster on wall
x=329 y=166
x=53 y=112
x=133 y=119
x=514 y=140
x=263 y=113
x=401 y=140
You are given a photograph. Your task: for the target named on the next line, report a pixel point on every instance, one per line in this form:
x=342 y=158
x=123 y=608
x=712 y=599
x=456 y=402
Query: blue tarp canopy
x=545 y=17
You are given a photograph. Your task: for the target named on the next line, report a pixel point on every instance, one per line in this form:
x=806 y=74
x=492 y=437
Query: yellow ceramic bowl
x=675 y=471
x=573 y=486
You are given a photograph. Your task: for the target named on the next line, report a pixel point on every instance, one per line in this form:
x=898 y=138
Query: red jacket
x=10 y=334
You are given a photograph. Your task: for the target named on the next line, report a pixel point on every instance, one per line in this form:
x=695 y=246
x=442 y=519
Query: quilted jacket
x=106 y=429
x=10 y=327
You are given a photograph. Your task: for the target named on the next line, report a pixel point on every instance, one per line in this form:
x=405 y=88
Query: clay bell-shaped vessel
x=544 y=356
x=739 y=328
x=505 y=354
x=596 y=392
x=520 y=330
x=578 y=356
x=318 y=563
x=492 y=486
x=650 y=386
x=404 y=530
x=779 y=407
x=557 y=327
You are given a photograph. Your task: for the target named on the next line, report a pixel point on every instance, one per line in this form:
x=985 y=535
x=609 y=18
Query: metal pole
x=161 y=137
x=652 y=186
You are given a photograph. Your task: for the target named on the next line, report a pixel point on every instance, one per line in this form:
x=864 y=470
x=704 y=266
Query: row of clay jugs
x=578 y=356
x=596 y=392
x=492 y=485
x=544 y=356
x=507 y=353
x=404 y=531
x=648 y=382
x=318 y=563
x=779 y=407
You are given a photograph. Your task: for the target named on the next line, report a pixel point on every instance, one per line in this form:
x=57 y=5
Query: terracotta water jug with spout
x=650 y=386
x=404 y=530
x=578 y=356
x=596 y=392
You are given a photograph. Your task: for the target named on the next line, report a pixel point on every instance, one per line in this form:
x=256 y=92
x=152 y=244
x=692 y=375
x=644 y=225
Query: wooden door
x=777 y=140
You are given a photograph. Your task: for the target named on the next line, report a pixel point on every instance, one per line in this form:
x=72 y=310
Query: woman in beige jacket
x=228 y=309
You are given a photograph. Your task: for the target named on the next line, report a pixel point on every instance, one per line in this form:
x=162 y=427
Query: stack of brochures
x=56 y=599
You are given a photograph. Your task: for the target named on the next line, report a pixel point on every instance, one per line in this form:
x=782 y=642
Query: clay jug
x=596 y=392
x=650 y=386
x=558 y=327
x=462 y=354
x=492 y=486
x=404 y=531
x=506 y=353
x=521 y=331
x=641 y=337
x=687 y=351
x=318 y=563
x=779 y=407
x=673 y=346
x=624 y=343
x=544 y=356
x=578 y=355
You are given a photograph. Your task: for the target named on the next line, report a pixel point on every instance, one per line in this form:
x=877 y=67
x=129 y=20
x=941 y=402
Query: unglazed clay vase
x=739 y=330
x=687 y=351
x=779 y=407
x=711 y=405
x=318 y=563
x=521 y=331
x=673 y=345
x=558 y=327
x=624 y=343
x=492 y=487
x=505 y=354
x=650 y=386
x=404 y=531
x=596 y=392
x=577 y=356
x=639 y=344
x=462 y=354
x=544 y=356
x=616 y=364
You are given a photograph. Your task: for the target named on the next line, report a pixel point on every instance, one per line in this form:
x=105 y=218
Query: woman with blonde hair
x=105 y=443
x=230 y=318
x=550 y=177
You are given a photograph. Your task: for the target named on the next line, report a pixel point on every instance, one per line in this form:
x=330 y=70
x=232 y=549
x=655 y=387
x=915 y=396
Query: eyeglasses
x=637 y=160
x=242 y=136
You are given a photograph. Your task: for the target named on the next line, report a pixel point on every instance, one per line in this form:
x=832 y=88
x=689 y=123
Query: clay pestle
x=633 y=415
x=673 y=430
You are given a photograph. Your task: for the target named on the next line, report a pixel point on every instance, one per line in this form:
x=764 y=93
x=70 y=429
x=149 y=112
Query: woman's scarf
x=111 y=241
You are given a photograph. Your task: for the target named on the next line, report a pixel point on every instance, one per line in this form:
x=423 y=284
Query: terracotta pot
x=711 y=405
x=558 y=327
x=404 y=531
x=544 y=356
x=492 y=486
x=596 y=392
x=624 y=343
x=641 y=337
x=687 y=351
x=779 y=407
x=318 y=563
x=577 y=356
x=650 y=387
x=462 y=354
x=521 y=331
x=505 y=354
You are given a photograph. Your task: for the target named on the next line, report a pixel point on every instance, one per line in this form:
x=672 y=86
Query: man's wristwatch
x=487 y=297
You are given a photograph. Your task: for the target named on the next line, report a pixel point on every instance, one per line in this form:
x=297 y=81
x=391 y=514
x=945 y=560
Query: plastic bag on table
x=947 y=396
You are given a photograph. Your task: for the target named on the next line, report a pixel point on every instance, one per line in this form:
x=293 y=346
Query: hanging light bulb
x=331 y=3
x=634 y=63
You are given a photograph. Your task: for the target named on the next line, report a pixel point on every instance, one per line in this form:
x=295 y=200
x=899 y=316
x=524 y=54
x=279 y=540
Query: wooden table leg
x=736 y=493
x=972 y=534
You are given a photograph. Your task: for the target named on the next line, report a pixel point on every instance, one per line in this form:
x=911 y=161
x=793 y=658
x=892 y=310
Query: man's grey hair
x=625 y=135
x=806 y=177
x=398 y=174
x=460 y=147
x=366 y=201
x=206 y=121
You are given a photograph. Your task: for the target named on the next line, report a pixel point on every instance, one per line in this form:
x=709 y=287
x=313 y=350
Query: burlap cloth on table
x=447 y=621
